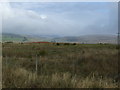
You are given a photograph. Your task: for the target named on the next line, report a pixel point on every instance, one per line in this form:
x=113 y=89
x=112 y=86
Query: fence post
x=41 y=66
x=6 y=61
x=36 y=64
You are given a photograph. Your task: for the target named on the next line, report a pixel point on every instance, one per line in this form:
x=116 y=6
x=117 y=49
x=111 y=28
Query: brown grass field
x=59 y=65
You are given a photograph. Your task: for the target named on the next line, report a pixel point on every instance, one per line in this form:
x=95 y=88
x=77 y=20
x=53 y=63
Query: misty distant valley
x=87 y=39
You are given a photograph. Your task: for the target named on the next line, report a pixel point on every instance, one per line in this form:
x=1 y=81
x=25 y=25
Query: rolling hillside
x=80 y=39
x=89 y=39
x=20 y=38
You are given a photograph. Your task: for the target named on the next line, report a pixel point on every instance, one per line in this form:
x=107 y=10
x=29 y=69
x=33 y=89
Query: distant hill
x=80 y=39
x=89 y=39
x=19 y=38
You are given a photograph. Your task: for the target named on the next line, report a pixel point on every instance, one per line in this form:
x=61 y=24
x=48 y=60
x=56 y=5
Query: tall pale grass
x=21 y=78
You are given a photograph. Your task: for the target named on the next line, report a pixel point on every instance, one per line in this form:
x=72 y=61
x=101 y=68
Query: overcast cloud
x=64 y=19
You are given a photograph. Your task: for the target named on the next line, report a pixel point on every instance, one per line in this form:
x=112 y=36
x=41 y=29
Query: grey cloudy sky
x=60 y=18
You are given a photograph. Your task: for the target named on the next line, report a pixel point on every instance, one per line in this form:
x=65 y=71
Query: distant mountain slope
x=80 y=39
x=19 y=38
x=89 y=39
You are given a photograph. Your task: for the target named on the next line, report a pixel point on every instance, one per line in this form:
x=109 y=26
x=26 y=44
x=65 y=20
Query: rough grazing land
x=59 y=65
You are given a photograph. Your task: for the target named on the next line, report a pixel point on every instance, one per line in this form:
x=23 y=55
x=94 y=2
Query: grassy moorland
x=59 y=65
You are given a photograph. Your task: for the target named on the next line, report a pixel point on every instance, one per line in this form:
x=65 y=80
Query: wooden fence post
x=36 y=64
x=6 y=61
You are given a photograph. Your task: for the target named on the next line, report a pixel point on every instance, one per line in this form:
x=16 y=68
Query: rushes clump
x=41 y=53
